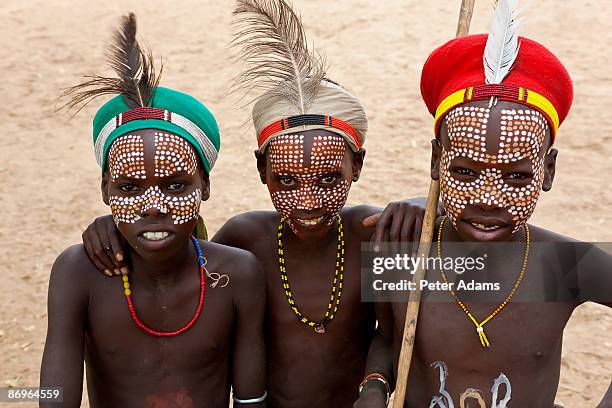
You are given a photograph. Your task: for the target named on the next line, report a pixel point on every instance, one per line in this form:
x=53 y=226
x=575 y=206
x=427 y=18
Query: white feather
x=502 y=45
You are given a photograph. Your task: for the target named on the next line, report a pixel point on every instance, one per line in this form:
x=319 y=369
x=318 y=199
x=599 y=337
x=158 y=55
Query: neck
x=166 y=269
x=315 y=244
x=499 y=255
x=450 y=234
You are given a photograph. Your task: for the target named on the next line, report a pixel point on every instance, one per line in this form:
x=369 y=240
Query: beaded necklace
x=139 y=323
x=480 y=326
x=336 y=292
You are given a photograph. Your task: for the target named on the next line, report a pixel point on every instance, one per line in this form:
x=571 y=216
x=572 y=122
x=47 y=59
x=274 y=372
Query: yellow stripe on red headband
x=504 y=92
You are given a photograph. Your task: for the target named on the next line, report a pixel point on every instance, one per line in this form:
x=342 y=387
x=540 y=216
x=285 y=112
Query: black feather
x=135 y=69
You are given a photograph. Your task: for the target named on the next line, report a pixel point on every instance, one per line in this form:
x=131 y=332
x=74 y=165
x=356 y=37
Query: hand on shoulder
x=400 y=221
x=104 y=246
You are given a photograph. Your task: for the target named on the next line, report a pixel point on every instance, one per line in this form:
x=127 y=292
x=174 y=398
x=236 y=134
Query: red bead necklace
x=189 y=325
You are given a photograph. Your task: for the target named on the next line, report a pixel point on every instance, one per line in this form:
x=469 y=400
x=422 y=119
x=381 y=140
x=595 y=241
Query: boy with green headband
x=187 y=323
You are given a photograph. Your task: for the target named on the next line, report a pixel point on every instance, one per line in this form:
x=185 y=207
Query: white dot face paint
x=522 y=134
x=181 y=209
x=126 y=158
x=173 y=156
x=316 y=182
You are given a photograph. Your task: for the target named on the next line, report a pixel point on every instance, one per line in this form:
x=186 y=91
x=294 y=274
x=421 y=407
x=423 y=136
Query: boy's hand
x=104 y=246
x=371 y=398
x=401 y=221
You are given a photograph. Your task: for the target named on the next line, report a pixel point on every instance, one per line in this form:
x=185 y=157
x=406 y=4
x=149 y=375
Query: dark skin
x=338 y=356
x=295 y=351
x=89 y=319
x=526 y=336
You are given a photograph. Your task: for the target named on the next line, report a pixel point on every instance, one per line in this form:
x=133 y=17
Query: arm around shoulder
x=248 y=362
x=378 y=383
x=62 y=364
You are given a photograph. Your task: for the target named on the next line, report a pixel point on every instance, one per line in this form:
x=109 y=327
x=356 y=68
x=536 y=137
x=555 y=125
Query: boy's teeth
x=486 y=227
x=155 y=236
x=314 y=221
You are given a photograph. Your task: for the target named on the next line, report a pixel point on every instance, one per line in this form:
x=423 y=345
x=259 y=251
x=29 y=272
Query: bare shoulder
x=353 y=218
x=252 y=219
x=567 y=249
x=246 y=277
x=72 y=275
x=239 y=265
x=73 y=263
x=585 y=265
x=539 y=234
x=243 y=229
x=359 y=212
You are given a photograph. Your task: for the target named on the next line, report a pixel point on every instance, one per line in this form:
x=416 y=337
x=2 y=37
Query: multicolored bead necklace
x=336 y=292
x=128 y=295
x=480 y=326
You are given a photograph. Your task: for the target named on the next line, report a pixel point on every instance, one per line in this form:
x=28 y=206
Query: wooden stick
x=429 y=222
x=465 y=18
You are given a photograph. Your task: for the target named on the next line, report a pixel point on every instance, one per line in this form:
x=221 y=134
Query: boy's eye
x=464 y=172
x=328 y=180
x=287 y=181
x=518 y=176
x=176 y=186
x=128 y=188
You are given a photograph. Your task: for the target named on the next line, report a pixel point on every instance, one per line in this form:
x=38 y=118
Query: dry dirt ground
x=49 y=179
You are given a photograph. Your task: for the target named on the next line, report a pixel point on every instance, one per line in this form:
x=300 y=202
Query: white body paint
x=288 y=158
x=444 y=400
x=173 y=155
x=522 y=136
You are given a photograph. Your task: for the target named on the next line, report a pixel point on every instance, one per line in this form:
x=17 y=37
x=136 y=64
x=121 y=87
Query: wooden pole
x=465 y=18
x=429 y=221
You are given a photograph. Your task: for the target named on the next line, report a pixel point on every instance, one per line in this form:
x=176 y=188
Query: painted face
x=182 y=209
x=309 y=178
x=153 y=179
x=172 y=155
x=494 y=162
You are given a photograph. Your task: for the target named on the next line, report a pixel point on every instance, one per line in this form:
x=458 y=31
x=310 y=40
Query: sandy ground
x=49 y=179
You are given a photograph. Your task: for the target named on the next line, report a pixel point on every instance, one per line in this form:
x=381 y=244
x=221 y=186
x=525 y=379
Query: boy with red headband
x=498 y=102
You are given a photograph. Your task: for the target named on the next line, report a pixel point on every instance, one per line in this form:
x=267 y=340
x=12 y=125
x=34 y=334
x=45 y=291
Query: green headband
x=169 y=110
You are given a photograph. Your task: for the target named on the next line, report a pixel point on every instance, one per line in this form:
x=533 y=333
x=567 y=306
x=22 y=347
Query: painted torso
x=526 y=336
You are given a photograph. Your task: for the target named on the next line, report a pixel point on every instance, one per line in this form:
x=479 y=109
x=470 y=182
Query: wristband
x=252 y=400
x=377 y=377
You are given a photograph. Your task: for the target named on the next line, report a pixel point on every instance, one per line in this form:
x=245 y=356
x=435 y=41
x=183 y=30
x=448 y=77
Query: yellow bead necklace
x=480 y=326
x=336 y=292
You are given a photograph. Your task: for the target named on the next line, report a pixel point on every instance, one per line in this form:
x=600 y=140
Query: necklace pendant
x=319 y=328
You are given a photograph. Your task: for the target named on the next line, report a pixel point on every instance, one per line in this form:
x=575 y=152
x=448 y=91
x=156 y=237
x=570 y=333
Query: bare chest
x=115 y=344
x=316 y=288
x=522 y=333
x=525 y=345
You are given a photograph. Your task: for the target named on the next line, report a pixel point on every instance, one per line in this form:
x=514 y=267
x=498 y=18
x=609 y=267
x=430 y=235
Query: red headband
x=454 y=74
x=305 y=120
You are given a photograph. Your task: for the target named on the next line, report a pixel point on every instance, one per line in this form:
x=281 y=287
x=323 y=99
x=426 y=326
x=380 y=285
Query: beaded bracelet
x=377 y=377
x=252 y=400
